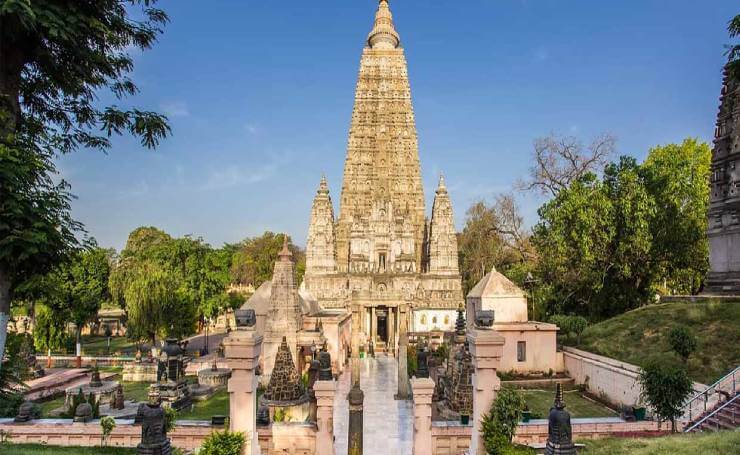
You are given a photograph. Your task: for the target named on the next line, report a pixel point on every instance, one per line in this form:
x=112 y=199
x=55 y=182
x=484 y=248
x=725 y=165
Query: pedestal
x=422 y=389
x=325 y=391
x=486 y=348
x=242 y=349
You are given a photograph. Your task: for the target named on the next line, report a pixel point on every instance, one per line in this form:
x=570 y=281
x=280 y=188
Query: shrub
x=280 y=415
x=682 y=341
x=170 y=417
x=500 y=423
x=107 y=424
x=665 y=387
x=223 y=443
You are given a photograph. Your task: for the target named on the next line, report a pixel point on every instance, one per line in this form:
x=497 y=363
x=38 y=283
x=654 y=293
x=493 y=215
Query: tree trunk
x=4 y=310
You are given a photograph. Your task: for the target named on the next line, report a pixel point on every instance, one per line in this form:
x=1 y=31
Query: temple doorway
x=382 y=316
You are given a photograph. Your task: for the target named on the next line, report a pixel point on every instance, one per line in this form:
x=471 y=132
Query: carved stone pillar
x=242 y=348
x=486 y=347
x=325 y=416
x=403 y=376
x=422 y=389
x=373 y=326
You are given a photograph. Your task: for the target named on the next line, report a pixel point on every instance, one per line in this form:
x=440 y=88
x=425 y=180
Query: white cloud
x=175 y=109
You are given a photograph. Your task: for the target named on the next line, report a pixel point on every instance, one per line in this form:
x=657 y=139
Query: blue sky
x=260 y=93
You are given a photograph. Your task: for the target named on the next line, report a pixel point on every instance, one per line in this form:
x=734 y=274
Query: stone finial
x=25 y=412
x=460 y=322
x=83 y=413
x=285 y=254
x=441 y=188
x=323 y=186
x=559 y=430
x=383 y=34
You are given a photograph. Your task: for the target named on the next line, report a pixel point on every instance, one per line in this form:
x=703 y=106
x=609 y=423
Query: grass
x=540 y=402
x=639 y=335
x=724 y=442
x=39 y=449
x=98 y=345
x=218 y=404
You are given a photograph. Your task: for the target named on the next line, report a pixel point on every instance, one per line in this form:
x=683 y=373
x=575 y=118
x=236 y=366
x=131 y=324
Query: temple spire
x=285 y=253
x=383 y=35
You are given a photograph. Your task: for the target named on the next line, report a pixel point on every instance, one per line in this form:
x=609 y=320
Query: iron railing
x=703 y=402
x=712 y=414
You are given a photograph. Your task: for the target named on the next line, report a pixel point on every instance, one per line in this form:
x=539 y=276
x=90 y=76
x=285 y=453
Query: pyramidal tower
x=380 y=258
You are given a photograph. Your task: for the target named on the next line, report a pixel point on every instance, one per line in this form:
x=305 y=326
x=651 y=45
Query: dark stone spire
x=285 y=384
x=559 y=432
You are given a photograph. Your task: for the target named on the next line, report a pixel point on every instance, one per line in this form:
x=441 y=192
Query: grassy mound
x=638 y=335
x=724 y=442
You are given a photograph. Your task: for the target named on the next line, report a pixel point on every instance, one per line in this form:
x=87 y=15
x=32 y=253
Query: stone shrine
x=559 y=431
x=171 y=386
x=285 y=391
x=724 y=194
x=382 y=259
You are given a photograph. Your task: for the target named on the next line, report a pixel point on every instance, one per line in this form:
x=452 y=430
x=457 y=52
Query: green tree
x=499 y=424
x=676 y=176
x=665 y=387
x=49 y=331
x=254 y=259
x=77 y=287
x=56 y=56
x=733 y=50
x=682 y=341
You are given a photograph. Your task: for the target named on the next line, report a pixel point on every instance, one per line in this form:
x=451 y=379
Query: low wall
x=611 y=379
x=535 y=431
x=279 y=439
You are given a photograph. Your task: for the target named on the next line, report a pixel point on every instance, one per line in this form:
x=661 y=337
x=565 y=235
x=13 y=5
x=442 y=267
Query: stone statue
x=559 y=432
x=118 y=400
x=154 y=439
x=25 y=412
x=95 y=378
x=263 y=416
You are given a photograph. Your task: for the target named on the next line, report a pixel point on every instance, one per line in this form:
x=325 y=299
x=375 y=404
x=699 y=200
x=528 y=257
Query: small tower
x=285 y=385
x=320 y=250
x=443 y=256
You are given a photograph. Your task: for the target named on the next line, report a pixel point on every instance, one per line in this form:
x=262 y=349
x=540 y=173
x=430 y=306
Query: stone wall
x=450 y=438
x=614 y=380
x=536 y=431
x=279 y=439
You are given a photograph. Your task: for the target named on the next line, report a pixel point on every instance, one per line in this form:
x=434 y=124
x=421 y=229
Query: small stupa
x=285 y=384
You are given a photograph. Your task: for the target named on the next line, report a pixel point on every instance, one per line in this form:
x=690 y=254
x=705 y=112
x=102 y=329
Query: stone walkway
x=388 y=424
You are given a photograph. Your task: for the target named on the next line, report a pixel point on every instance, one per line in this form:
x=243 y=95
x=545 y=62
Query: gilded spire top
x=383 y=35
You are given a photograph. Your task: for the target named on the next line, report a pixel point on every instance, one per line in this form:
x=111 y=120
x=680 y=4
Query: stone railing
x=535 y=431
x=450 y=438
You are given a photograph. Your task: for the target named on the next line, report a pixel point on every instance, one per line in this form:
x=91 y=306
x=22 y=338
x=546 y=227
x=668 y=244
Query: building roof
x=495 y=284
x=260 y=300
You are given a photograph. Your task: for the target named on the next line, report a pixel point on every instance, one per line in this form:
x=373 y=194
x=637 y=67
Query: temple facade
x=382 y=259
x=724 y=194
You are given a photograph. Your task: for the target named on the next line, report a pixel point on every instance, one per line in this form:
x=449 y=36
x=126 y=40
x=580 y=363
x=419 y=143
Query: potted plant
x=464 y=419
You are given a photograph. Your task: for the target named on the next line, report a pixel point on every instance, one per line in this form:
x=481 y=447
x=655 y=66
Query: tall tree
x=76 y=289
x=255 y=257
x=676 y=176
x=558 y=161
x=55 y=56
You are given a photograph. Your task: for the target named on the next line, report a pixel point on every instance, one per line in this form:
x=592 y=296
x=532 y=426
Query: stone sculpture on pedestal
x=559 y=432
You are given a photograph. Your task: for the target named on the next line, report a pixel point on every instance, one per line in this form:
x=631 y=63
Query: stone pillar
x=373 y=326
x=324 y=391
x=403 y=374
x=392 y=331
x=355 y=397
x=486 y=347
x=242 y=349
x=423 y=389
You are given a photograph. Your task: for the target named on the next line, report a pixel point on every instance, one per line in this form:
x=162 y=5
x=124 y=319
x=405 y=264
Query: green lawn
x=98 y=345
x=218 y=404
x=540 y=402
x=638 y=335
x=725 y=442
x=38 y=449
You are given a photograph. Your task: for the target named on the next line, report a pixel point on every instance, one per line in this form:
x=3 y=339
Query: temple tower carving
x=320 y=247
x=443 y=257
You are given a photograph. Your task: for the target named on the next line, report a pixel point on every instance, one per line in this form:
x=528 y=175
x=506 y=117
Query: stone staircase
x=726 y=416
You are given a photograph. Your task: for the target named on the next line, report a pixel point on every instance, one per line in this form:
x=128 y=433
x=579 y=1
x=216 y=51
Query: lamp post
x=529 y=282
x=205 y=341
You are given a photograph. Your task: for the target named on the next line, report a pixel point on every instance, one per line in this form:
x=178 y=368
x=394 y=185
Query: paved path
x=388 y=424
